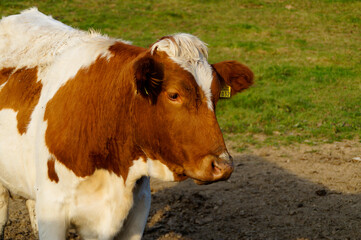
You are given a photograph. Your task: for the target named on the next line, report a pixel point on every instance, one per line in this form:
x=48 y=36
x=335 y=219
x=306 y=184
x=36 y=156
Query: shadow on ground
x=259 y=201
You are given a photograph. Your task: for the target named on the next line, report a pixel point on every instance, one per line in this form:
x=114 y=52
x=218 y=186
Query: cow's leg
x=31 y=208
x=4 y=202
x=134 y=224
x=51 y=218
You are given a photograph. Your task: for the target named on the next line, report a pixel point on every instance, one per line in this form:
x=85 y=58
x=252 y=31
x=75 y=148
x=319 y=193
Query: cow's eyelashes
x=173 y=96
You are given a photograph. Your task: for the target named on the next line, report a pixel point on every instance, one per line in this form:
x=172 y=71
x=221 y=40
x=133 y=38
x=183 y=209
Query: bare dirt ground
x=296 y=192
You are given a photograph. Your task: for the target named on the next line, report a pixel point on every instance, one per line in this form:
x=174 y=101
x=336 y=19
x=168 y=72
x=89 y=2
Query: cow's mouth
x=216 y=169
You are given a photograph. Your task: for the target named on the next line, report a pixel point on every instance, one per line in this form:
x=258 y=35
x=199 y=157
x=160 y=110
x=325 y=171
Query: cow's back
x=33 y=39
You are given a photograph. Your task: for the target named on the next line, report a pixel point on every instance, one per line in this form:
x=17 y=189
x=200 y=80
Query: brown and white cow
x=86 y=119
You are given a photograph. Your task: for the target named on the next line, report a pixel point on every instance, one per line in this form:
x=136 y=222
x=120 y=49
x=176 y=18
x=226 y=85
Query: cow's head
x=175 y=107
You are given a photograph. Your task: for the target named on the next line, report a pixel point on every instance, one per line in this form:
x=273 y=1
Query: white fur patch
x=33 y=39
x=224 y=155
x=191 y=54
x=18 y=175
x=152 y=168
x=158 y=170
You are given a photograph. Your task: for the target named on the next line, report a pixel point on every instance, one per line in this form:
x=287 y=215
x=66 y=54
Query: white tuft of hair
x=191 y=54
x=182 y=46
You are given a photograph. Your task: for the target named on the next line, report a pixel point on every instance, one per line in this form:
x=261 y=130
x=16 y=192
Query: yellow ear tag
x=225 y=92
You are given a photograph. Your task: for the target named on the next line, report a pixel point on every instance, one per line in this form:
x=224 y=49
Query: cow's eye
x=173 y=96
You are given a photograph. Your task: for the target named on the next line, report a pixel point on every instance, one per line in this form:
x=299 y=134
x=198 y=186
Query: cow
x=86 y=120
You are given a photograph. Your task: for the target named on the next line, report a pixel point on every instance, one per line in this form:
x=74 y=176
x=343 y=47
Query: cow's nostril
x=216 y=169
x=222 y=167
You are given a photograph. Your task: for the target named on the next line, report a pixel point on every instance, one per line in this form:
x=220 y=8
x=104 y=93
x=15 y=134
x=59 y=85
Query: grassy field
x=306 y=55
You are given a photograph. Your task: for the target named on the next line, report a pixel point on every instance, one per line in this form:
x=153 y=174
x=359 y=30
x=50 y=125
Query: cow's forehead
x=191 y=54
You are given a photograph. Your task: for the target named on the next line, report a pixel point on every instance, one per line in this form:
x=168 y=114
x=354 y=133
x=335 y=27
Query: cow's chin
x=179 y=177
x=199 y=182
x=182 y=177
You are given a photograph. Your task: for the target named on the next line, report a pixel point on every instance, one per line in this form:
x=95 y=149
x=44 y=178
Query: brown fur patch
x=53 y=176
x=4 y=74
x=20 y=93
x=90 y=117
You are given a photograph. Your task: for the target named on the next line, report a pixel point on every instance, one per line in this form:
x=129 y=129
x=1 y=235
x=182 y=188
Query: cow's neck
x=90 y=117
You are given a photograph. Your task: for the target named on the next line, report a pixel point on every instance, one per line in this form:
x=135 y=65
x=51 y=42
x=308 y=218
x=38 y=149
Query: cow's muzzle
x=219 y=169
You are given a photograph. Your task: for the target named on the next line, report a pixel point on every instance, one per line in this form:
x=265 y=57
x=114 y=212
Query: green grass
x=306 y=56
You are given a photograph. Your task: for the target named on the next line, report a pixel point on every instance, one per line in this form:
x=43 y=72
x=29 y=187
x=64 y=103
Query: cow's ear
x=234 y=74
x=148 y=75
